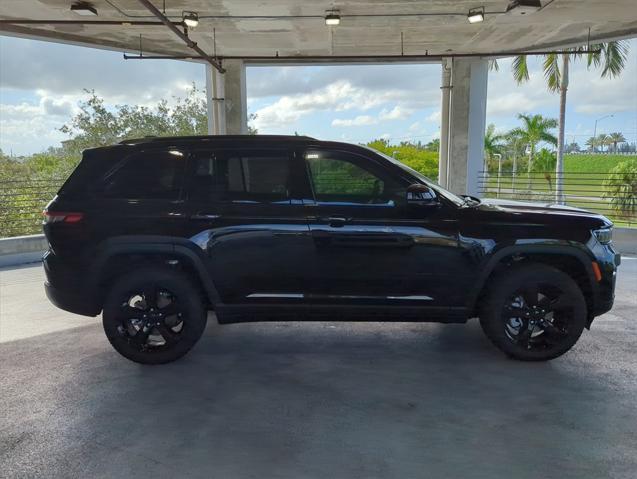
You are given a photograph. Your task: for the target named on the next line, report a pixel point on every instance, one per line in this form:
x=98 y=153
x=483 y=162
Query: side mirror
x=419 y=194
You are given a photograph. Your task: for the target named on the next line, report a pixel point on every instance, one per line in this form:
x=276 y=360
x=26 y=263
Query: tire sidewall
x=506 y=285
x=177 y=283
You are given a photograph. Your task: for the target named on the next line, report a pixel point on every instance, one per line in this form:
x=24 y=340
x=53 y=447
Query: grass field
x=593 y=163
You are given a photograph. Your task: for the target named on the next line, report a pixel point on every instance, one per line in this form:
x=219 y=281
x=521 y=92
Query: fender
x=552 y=249
x=180 y=248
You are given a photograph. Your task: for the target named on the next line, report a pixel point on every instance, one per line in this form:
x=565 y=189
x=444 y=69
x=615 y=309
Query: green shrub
x=620 y=188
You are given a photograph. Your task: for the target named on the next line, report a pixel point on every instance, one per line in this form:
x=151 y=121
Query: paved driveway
x=315 y=400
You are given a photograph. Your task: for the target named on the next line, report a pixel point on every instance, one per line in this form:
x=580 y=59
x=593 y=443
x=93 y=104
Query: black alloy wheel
x=533 y=312
x=154 y=315
x=537 y=317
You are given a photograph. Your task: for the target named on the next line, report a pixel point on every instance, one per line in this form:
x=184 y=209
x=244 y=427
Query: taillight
x=62 y=217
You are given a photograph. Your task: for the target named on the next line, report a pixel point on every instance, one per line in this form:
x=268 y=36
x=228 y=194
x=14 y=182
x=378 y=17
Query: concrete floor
x=316 y=400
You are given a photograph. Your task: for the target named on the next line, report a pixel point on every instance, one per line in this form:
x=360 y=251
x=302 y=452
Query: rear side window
x=147 y=175
x=241 y=176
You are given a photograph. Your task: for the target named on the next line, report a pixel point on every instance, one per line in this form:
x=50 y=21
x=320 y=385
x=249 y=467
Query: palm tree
x=611 y=57
x=535 y=129
x=615 y=139
x=592 y=143
x=603 y=140
x=493 y=144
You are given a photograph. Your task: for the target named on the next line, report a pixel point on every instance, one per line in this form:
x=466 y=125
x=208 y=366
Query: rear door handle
x=199 y=216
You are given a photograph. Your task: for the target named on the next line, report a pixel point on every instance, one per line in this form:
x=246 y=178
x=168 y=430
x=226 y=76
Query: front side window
x=248 y=176
x=338 y=177
x=155 y=174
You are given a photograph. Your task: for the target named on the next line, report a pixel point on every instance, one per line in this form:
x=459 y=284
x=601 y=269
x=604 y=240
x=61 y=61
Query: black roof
x=172 y=139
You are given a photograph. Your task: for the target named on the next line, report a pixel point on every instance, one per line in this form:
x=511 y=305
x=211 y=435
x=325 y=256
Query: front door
x=369 y=245
x=242 y=210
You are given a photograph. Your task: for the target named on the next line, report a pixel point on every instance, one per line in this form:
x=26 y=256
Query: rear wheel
x=154 y=315
x=534 y=312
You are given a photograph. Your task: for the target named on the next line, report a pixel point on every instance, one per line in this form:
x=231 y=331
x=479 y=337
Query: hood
x=537 y=210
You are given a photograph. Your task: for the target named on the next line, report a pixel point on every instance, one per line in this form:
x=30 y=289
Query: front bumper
x=608 y=261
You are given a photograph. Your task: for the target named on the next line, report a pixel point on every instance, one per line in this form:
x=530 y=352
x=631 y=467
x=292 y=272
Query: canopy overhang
x=289 y=28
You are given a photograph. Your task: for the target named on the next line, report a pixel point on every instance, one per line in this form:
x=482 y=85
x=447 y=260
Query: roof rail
x=168 y=139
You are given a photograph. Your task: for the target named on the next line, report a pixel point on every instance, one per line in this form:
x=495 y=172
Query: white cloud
x=360 y=120
x=414 y=126
x=341 y=95
x=434 y=117
x=396 y=113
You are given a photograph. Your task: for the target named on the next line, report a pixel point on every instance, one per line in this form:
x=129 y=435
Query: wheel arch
x=574 y=261
x=117 y=255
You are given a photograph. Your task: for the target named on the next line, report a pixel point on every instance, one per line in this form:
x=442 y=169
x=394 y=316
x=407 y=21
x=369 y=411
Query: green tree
x=610 y=57
x=433 y=145
x=621 y=188
x=534 y=130
x=413 y=155
x=544 y=163
x=615 y=139
x=97 y=125
x=592 y=143
x=493 y=144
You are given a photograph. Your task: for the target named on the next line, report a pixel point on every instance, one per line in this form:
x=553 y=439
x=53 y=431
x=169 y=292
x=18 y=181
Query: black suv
x=156 y=232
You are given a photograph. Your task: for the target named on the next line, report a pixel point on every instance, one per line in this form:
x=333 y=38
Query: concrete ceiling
x=559 y=22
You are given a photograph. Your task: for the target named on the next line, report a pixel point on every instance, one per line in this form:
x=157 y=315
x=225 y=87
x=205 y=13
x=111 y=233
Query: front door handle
x=200 y=216
x=337 y=221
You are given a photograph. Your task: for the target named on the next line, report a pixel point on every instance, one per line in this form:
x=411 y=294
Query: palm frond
x=493 y=65
x=520 y=69
x=614 y=57
x=552 y=72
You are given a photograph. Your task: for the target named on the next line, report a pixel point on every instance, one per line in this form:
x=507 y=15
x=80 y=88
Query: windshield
x=457 y=200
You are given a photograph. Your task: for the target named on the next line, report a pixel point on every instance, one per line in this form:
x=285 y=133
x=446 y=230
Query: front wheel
x=154 y=315
x=533 y=312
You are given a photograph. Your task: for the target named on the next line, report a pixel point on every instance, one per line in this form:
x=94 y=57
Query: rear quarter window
x=155 y=174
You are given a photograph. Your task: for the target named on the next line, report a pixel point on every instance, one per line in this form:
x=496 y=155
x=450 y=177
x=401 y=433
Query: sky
x=41 y=84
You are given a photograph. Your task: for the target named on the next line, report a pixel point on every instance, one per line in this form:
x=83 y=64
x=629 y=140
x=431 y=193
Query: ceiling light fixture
x=85 y=9
x=191 y=19
x=332 y=17
x=476 y=15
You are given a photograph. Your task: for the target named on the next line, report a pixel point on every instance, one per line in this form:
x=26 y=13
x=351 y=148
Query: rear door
x=243 y=211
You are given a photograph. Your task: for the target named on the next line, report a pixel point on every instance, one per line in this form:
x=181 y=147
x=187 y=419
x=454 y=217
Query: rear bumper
x=66 y=286
x=73 y=303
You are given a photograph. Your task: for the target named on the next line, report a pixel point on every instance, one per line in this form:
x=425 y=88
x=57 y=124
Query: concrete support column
x=443 y=157
x=467 y=119
x=214 y=101
x=235 y=97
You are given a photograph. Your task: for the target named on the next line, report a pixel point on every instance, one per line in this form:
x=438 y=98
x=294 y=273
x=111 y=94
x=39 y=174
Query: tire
x=533 y=312
x=154 y=315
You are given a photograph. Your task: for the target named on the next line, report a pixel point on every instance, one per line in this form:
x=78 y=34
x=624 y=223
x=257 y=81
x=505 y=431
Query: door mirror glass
x=419 y=194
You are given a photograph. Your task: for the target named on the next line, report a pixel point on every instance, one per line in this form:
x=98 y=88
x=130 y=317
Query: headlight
x=604 y=235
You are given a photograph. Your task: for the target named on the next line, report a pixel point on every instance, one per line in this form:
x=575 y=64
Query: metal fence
x=22 y=202
x=613 y=195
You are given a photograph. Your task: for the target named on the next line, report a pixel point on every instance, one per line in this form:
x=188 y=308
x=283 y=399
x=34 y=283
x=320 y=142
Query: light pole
x=595 y=129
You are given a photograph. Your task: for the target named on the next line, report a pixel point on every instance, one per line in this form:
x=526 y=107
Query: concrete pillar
x=467 y=118
x=443 y=156
x=214 y=101
x=235 y=98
